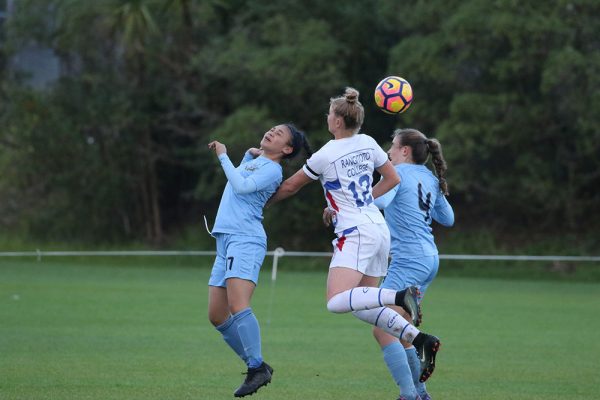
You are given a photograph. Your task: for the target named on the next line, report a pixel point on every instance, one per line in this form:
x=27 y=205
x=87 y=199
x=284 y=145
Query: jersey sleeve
x=315 y=165
x=247 y=157
x=238 y=182
x=266 y=175
x=442 y=211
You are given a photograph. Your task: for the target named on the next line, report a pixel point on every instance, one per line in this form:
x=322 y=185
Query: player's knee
x=336 y=304
x=216 y=318
x=375 y=333
x=238 y=306
x=378 y=334
x=384 y=339
x=213 y=320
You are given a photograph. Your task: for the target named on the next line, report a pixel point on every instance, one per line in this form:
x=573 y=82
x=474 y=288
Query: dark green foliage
x=116 y=149
x=511 y=90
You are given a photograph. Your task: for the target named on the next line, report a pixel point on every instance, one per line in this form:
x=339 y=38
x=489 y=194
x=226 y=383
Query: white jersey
x=345 y=169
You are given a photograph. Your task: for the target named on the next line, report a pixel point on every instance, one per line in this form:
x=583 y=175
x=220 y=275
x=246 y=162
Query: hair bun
x=351 y=95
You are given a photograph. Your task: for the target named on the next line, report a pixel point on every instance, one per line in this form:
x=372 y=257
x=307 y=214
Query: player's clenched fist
x=218 y=147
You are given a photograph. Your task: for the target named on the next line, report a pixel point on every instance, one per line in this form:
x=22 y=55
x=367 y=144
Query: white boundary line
x=278 y=253
x=40 y=253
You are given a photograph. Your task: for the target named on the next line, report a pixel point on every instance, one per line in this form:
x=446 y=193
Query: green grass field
x=81 y=329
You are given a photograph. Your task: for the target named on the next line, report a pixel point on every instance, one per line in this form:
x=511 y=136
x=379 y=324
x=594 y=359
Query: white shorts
x=364 y=248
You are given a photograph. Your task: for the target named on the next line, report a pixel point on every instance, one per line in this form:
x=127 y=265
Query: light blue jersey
x=409 y=209
x=249 y=187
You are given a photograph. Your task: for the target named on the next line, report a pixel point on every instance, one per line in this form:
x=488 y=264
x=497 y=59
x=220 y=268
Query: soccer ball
x=393 y=95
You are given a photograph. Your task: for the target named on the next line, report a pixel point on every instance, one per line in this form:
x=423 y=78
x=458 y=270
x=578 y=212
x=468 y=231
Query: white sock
x=361 y=298
x=390 y=321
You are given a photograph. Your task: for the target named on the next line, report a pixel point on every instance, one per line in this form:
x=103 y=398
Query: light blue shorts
x=237 y=257
x=405 y=272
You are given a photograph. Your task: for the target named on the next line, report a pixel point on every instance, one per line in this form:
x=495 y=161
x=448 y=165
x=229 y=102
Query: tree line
x=115 y=149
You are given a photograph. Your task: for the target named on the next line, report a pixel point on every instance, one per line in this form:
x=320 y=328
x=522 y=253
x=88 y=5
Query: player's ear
x=287 y=150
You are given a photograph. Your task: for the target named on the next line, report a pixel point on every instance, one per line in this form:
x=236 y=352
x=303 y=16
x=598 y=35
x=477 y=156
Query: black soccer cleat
x=427 y=347
x=255 y=379
x=269 y=368
x=409 y=300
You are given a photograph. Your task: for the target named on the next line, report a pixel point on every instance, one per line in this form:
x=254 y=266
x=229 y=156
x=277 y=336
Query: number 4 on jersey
x=424 y=204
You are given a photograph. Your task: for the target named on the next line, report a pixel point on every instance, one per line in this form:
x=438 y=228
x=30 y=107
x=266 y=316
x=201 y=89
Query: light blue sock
x=229 y=331
x=395 y=359
x=249 y=332
x=415 y=367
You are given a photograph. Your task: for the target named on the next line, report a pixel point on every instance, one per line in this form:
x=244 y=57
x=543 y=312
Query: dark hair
x=349 y=108
x=421 y=148
x=298 y=142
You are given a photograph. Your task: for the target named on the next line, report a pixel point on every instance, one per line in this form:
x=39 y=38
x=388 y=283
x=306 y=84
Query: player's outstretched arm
x=290 y=187
x=239 y=184
x=390 y=179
